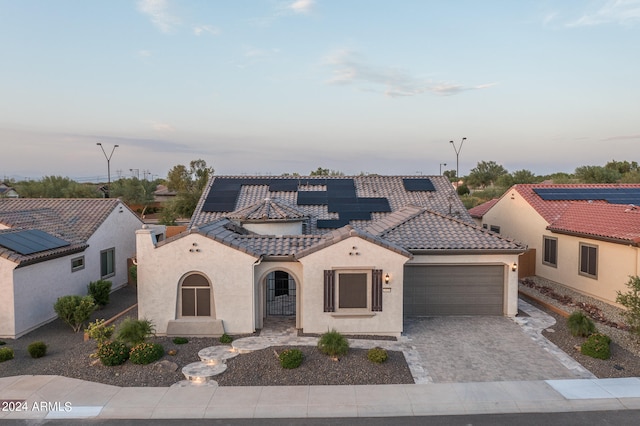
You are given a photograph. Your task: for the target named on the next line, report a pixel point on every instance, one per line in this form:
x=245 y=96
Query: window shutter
x=329 y=291
x=376 y=290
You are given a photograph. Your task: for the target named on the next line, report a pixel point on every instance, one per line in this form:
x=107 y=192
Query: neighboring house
x=585 y=237
x=355 y=254
x=479 y=211
x=54 y=247
x=7 y=191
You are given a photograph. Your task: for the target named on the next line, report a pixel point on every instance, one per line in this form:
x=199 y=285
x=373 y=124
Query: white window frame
x=113 y=263
x=586 y=273
x=546 y=238
x=78 y=267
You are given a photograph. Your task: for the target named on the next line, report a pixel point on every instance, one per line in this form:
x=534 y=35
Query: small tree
x=100 y=291
x=74 y=310
x=631 y=301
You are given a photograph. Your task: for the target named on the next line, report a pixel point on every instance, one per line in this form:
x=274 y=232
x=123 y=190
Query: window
x=589 y=260
x=550 y=251
x=484 y=226
x=77 y=264
x=195 y=300
x=354 y=290
x=108 y=263
x=495 y=229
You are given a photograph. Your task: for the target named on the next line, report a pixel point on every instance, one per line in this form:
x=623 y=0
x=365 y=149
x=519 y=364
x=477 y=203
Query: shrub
x=37 y=349
x=2 y=343
x=290 y=358
x=6 y=354
x=133 y=273
x=377 y=355
x=146 y=353
x=597 y=346
x=333 y=344
x=226 y=339
x=580 y=324
x=134 y=331
x=180 y=340
x=100 y=291
x=74 y=310
x=113 y=353
x=99 y=332
x=631 y=301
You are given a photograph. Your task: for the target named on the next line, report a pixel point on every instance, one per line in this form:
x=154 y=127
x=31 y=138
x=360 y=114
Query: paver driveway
x=480 y=349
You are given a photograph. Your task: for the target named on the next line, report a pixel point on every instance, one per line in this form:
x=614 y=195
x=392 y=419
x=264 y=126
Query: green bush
x=597 y=346
x=180 y=340
x=113 y=353
x=6 y=354
x=290 y=358
x=37 y=349
x=100 y=291
x=631 y=301
x=134 y=331
x=2 y=343
x=99 y=332
x=74 y=310
x=146 y=353
x=377 y=355
x=333 y=344
x=226 y=339
x=133 y=273
x=580 y=324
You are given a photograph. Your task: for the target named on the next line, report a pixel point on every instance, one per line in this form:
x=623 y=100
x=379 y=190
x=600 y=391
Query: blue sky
x=272 y=87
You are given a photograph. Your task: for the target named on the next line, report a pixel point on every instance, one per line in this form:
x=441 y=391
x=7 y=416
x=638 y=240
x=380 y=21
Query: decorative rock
x=166 y=365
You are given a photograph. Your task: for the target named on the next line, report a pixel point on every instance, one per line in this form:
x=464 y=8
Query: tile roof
x=620 y=223
x=73 y=220
x=478 y=211
x=271 y=210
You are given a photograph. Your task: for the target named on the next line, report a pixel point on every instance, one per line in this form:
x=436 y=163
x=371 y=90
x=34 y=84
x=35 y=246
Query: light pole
x=442 y=164
x=457 y=150
x=108 y=166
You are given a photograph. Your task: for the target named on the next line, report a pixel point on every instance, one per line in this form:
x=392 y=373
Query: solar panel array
x=340 y=197
x=418 y=184
x=611 y=195
x=30 y=241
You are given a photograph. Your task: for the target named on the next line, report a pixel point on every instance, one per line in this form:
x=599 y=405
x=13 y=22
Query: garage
x=431 y=290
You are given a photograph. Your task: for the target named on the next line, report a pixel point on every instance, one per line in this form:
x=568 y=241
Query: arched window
x=195 y=292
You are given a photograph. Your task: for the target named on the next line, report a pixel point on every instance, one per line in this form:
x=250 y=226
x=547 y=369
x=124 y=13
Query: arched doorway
x=280 y=294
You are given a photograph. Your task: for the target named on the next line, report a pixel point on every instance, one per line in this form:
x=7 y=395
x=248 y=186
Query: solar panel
x=31 y=241
x=418 y=184
x=312 y=198
x=611 y=195
x=283 y=185
x=331 y=223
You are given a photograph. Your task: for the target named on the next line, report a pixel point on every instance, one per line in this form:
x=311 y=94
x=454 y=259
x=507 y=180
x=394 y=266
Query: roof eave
x=624 y=241
x=44 y=258
x=466 y=251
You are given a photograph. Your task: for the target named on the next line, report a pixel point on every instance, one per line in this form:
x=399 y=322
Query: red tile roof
x=479 y=210
x=600 y=221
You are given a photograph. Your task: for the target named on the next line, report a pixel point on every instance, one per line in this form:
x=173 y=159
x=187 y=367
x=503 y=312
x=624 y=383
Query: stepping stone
x=194 y=384
x=250 y=344
x=217 y=354
x=201 y=372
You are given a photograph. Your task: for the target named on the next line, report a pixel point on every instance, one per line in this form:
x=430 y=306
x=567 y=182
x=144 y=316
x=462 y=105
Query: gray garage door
x=453 y=290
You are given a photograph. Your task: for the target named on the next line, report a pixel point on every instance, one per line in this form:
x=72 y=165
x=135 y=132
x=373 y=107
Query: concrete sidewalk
x=54 y=397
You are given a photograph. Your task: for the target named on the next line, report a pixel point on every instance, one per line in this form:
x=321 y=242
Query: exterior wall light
x=387 y=278
x=514 y=267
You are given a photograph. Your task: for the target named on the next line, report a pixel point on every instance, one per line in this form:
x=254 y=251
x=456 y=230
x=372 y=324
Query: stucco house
x=585 y=237
x=351 y=253
x=56 y=247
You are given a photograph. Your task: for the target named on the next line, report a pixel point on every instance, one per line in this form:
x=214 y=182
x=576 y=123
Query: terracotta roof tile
x=478 y=211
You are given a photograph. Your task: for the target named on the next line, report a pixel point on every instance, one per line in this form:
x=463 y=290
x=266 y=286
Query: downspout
x=253 y=296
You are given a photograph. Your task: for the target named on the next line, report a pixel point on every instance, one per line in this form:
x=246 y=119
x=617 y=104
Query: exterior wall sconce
x=387 y=278
x=514 y=267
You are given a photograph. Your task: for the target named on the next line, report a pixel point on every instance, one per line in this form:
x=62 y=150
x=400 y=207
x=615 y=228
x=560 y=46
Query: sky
x=286 y=86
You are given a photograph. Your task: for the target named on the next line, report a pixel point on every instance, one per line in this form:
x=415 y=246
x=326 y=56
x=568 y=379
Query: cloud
x=158 y=11
x=302 y=6
x=621 y=138
x=349 y=68
x=201 y=29
x=161 y=127
x=626 y=12
x=144 y=53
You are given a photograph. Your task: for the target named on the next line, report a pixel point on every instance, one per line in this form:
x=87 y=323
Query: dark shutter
x=329 y=291
x=376 y=290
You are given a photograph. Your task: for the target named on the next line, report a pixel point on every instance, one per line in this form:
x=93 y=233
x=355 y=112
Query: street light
x=442 y=164
x=457 y=150
x=108 y=166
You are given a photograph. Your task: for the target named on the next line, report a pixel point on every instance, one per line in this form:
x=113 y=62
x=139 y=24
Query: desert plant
x=597 y=346
x=2 y=343
x=226 y=339
x=134 y=331
x=180 y=340
x=99 y=332
x=113 y=353
x=631 y=301
x=377 y=355
x=333 y=344
x=6 y=354
x=100 y=291
x=37 y=349
x=291 y=358
x=146 y=353
x=580 y=324
x=133 y=273
x=74 y=310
